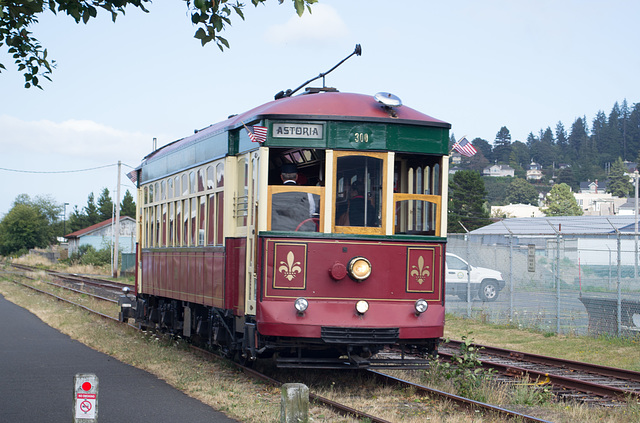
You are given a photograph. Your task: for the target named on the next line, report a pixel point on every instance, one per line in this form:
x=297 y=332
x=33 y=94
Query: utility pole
x=116 y=243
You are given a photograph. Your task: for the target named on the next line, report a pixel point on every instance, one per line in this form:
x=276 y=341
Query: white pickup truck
x=485 y=283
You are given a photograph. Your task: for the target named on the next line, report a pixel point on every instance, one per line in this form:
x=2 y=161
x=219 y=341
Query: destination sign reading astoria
x=297 y=130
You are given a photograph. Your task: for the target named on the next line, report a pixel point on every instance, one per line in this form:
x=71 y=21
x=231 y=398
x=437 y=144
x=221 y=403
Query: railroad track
x=574 y=380
x=343 y=409
x=108 y=288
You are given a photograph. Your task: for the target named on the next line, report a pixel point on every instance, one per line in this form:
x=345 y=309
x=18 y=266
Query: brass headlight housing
x=359 y=268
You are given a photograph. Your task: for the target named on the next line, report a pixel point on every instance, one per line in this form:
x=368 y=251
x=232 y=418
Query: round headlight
x=421 y=306
x=301 y=304
x=362 y=307
x=359 y=268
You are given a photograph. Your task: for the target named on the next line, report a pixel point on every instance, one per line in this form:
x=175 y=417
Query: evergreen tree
x=91 y=211
x=77 y=221
x=502 y=146
x=562 y=143
x=625 y=114
x=565 y=176
x=520 y=156
x=548 y=153
x=105 y=206
x=633 y=132
x=128 y=206
x=466 y=201
x=613 y=137
x=577 y=139
x=520 y=191
x=619 y=184
x=599 y=135
x=483 y=147
x=561 y=202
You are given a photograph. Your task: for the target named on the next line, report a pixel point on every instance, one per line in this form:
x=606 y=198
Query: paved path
x=37 y=367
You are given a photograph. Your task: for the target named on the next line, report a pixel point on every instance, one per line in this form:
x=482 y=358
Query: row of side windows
x=185 y=210
x=207 y=178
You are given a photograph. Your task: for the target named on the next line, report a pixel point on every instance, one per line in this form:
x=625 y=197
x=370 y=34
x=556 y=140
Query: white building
x=498 y=170
x=516 y=210
x=101 y=235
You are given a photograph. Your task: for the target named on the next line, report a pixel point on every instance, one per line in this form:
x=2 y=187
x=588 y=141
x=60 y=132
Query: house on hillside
x=102 y=234
x=593 y=187
x=599 y=204
x=534 y=171
x=498 y=170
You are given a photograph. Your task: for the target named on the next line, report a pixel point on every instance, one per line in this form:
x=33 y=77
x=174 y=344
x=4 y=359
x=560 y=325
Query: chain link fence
x=569 y=277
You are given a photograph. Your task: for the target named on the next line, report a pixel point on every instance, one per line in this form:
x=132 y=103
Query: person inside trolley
x=362 y=212
x=293 y=211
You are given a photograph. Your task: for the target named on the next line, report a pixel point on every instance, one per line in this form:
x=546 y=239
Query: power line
x=63 y=171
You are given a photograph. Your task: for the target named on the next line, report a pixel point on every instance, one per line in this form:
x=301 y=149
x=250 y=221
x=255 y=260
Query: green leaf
x=299 y=5
x=200 y=34
x=239 y=11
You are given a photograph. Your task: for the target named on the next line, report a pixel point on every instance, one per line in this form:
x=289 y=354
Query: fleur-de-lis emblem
x=420 y=272
x=291 y=268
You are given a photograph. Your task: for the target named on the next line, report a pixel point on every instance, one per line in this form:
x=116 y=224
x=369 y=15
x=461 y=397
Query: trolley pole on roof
x=116 y=243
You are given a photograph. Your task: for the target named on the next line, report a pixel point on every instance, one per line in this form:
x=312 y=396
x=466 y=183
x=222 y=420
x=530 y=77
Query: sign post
x=85 y=398
x=531 y=258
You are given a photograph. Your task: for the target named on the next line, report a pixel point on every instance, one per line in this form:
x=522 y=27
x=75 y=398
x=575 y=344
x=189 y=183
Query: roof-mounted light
x=388 y=99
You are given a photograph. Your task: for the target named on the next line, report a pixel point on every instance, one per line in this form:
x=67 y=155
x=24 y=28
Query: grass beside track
x=610 y=351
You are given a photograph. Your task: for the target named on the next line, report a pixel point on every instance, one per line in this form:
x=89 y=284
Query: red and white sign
x=85 y=406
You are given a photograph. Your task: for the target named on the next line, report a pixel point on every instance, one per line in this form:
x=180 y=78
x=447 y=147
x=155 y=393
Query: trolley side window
x=417 y=195
x=298 y=204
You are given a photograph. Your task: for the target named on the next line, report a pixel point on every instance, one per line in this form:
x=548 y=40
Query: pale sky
x=478 y=65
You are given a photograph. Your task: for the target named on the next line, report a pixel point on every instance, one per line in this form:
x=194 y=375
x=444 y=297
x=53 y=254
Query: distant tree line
x=584 y=152
x=566 y=159
x=100 y=210
x=38 y=222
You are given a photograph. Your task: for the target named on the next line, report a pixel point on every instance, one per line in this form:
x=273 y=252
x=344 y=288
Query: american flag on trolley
x=133 y=175
x=257 y=133
x=464 y=147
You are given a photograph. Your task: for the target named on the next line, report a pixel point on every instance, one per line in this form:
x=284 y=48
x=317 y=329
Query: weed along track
x=573 y=380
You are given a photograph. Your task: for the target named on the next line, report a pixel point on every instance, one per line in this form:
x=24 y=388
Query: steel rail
x=336 y=406
x=106 y=316
x=557 y=362
x=461 y=401
x=103 y=283
x=593 y=388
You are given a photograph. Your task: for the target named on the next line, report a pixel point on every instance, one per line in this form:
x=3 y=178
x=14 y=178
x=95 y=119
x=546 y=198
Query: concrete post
x=85 y=398
x=294 y=405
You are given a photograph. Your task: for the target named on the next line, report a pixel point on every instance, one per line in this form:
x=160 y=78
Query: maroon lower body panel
x=279 y=318
x=192 y=275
